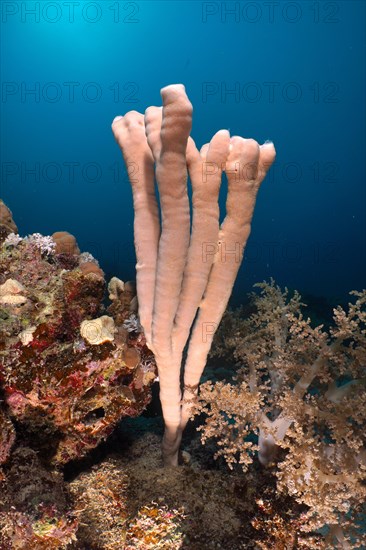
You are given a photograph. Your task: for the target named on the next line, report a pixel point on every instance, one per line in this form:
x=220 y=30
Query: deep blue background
x=299 y=73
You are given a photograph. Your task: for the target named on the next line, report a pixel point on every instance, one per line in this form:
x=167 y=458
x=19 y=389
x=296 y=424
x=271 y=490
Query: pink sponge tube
x=129 y=132
x=185 y=273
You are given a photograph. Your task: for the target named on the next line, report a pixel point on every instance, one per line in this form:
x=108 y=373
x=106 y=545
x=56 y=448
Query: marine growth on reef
x=70 y=367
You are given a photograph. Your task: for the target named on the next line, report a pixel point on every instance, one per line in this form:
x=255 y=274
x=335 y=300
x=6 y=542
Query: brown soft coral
x=302 y=391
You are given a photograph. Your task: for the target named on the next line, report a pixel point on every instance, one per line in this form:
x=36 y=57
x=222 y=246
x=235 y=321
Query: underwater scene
x=182 y=275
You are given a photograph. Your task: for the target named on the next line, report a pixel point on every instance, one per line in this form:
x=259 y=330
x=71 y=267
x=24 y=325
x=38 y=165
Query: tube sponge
x=185 y=274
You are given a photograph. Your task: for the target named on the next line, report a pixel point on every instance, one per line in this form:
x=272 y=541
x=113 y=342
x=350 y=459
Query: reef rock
x=62 y=391
x=7 y=225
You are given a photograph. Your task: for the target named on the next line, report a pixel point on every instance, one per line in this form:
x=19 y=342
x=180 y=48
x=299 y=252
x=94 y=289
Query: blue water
x=292 y=72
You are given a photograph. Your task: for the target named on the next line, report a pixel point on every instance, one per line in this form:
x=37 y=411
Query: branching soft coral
x=301 y=389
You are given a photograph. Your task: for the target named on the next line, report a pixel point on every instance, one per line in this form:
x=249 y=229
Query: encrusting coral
x=302 y=391
x=183 y=273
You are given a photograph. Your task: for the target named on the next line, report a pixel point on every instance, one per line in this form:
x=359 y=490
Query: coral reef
x=35 y=510
x=186 y=271
x=130 y=500
x=109 y=520
x=68 y=372
x=301 y=390
x=71 y=368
